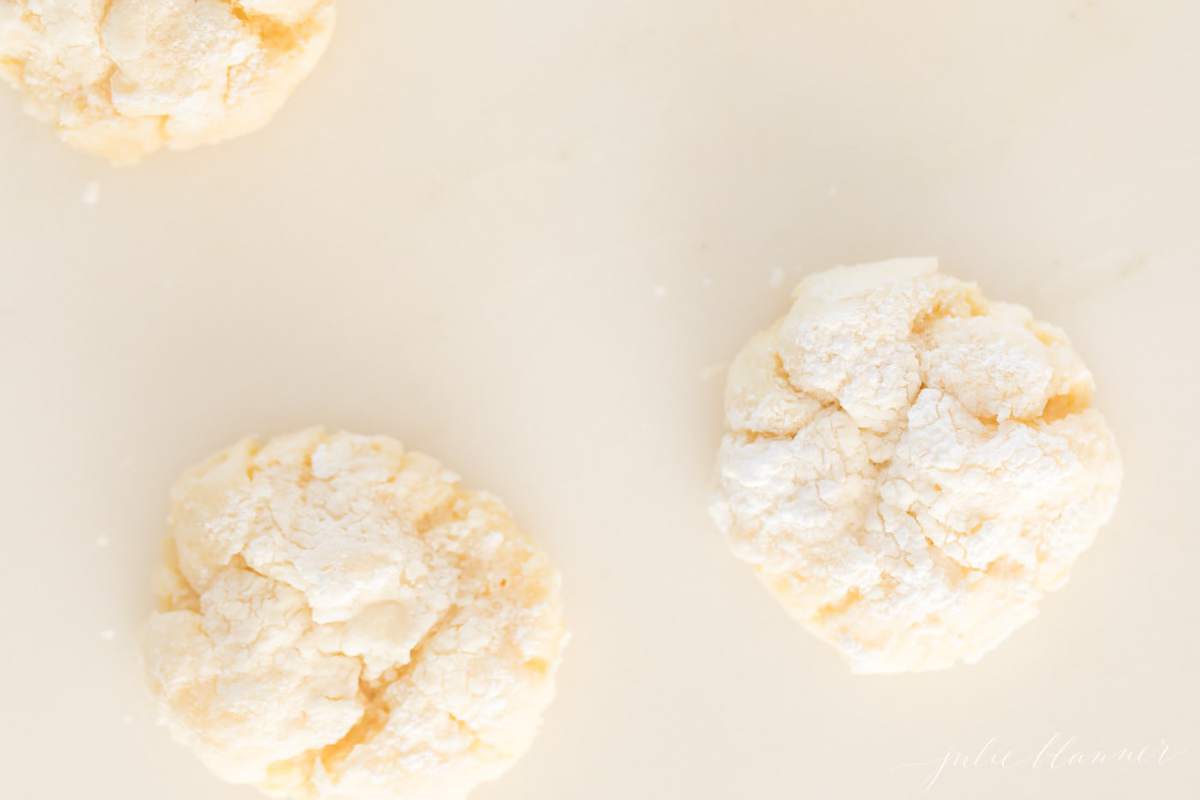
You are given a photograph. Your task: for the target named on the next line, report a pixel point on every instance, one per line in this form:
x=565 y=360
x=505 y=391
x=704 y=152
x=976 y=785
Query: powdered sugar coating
x=909 y=467
x=125 y=78
x=339 y=618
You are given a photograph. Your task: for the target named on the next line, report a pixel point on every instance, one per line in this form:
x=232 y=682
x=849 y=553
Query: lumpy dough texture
x=339 y=618
x=124 y=78
x=908 y=467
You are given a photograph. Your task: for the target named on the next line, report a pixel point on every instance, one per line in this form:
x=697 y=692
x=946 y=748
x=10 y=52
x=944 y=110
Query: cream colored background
x=523 y=237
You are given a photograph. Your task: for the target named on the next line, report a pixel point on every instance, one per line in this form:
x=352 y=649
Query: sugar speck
x=103 y=542
x=91 y=193
x=108 y=635
x=660 y=291
x=776 y=278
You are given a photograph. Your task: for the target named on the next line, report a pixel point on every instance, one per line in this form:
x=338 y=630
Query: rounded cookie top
x=339 y=618
x=126 y=78
x=909 y=467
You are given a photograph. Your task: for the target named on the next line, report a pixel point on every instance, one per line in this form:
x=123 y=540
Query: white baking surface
x=525 y=237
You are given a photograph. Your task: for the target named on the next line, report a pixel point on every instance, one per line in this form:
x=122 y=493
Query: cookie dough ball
x=124 y=78
x=339 y=618
x=909 y=467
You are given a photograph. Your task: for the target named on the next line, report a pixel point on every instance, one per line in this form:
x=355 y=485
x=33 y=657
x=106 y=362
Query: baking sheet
x=526 y=238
